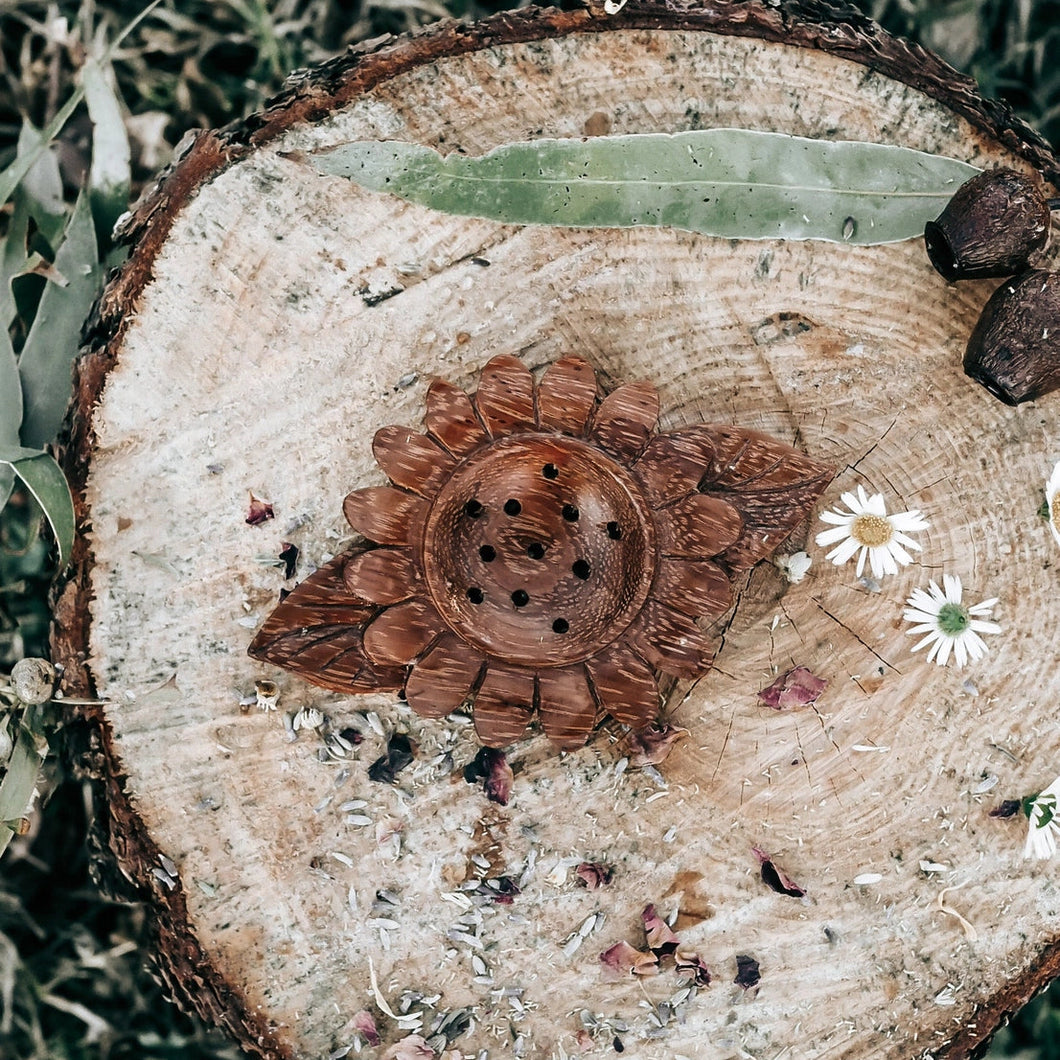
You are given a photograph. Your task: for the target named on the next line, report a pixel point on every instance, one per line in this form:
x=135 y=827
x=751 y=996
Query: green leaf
x=736 y=183
x=10 y=411
x=110 y=176
x=42 y=185
x=23 y=768
x=44 y=478
x=52 y=343
x=12 y=260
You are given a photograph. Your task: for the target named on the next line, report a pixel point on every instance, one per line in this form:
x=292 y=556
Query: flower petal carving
x=444 y=678
x=565 y=705
x=541 y=550
x=384 y=515
x=698 y=525
x=411 y=460
x=399 y=634
x=770 y=484
x=625 y=419
x=566 y=396
x=451 y=418
x=505 y=398
x=692 y=586
x=317 y=633
x=672 y=642
x=625 y=686
x=504 y=704
x=673 y=464
x=382 y=576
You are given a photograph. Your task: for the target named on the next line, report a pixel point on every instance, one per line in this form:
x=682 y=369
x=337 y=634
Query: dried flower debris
x=258 y=511
x=594 y=874
x=1052 y=502
x=364 y=1025
x=622 y=960
x=748 y=973
x=775 y=878
x=1042 y=827
x=799 y=687
x=399 y=754
x=652 y=745
x=492 y=768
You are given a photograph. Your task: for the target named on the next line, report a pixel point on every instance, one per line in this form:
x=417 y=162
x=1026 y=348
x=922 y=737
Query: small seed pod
x=990 y=227
x=1014 y=350
x=33 y=680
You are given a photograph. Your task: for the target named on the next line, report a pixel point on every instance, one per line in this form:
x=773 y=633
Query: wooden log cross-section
x=271 y=319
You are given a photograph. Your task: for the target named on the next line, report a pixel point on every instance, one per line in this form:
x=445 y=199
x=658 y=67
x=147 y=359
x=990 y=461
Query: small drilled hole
x=614 y=531
x=561 y=625
x=570 y=513
x=581 y=569
x=536 y=550
x=550 y=471
x=512 y=507
x=487 y=553
x=476 y=595
x=473 y=509
x=520 y=598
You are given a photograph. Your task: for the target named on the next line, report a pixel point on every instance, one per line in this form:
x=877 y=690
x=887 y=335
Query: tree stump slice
x=270 y=320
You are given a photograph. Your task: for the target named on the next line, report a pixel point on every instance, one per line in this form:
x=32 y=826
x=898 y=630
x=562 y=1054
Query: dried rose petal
x=594 y=874
x=1009 y=808
x=747 y=973
x=650 y=746
x=491 y=766
x=621 y=960
x=585 y=1041
x=398 y=755
x=289 y=555
x=258 y=512
x=776 y=878
x=414 y=1047
x=364 y=1024
x=661 y=940
x=691 y=966
x=796 y=688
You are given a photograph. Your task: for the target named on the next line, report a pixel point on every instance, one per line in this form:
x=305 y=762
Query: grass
x=74 y=977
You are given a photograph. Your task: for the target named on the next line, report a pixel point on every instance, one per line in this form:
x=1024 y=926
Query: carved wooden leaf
x=318 y=633
x=770 y=484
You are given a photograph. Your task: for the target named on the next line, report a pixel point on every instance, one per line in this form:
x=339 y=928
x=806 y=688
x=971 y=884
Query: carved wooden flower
x=543 y=550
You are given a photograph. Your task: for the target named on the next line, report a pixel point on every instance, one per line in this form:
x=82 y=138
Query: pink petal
x=796 y=688
x=652 y=745
x=661 y=940
x=776 y=878
x=621 y=960
x=594 y=874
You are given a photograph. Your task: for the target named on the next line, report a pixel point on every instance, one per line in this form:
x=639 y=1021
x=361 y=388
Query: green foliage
x=735 y=183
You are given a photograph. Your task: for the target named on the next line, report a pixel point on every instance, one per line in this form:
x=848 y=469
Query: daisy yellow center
x=953 y=619
x=872 y=531
x=1054 y=509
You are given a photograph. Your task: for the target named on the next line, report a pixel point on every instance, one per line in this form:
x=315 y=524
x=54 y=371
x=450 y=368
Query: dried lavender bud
x=1014 y=350
x=990 y=227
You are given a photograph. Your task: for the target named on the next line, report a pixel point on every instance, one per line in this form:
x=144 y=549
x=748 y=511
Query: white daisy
x=868 y=530
x=1043 y=829
x=948 y=624
x=1052 y=499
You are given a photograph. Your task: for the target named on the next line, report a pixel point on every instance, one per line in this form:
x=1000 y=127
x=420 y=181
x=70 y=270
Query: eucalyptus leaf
x=110 y=175
x=51 y=345
x=13 y=258
x=44 y=478
x=16 y=790
x=735 y=183
x=10 y=411
x=42 y=186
